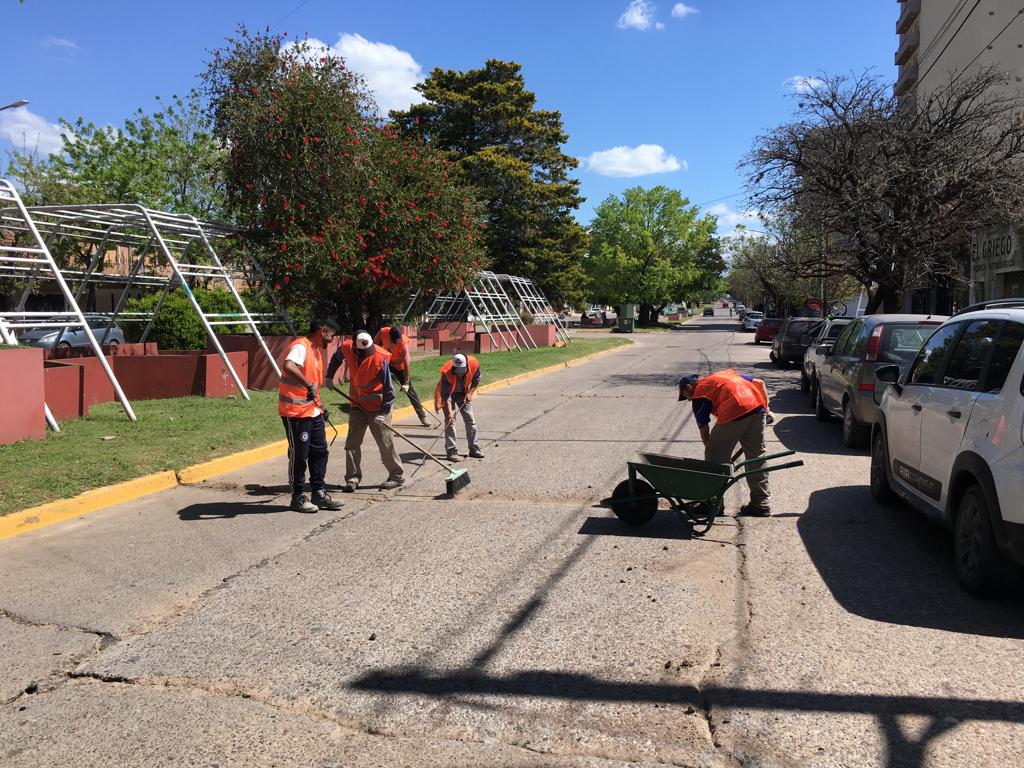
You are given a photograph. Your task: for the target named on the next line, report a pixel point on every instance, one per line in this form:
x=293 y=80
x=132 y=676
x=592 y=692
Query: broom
x=457 y=478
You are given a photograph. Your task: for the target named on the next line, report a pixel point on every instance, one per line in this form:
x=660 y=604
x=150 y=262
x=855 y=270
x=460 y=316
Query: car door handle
x=954 y=414
x=916 y=407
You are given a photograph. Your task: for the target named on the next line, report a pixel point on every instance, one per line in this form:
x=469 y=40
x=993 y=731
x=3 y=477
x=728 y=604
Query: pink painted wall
x=22 y=389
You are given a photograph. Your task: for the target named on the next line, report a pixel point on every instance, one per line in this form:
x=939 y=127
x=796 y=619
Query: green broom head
x=458 y=479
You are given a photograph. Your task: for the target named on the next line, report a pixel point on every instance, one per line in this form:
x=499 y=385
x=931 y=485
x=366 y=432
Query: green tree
x=353 y=214
x=178 y=326
x=512 y=152
x=651 y=247
x=167 y=160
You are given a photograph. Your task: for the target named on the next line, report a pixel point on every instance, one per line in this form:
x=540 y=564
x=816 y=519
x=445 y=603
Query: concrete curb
x=90 y=501
x=100 y=498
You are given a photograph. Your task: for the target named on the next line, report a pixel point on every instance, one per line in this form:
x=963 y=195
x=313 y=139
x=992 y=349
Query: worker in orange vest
x=367 y=368
x=303 y=415
x=394 y=341
x=459 y=380
x=740 y=407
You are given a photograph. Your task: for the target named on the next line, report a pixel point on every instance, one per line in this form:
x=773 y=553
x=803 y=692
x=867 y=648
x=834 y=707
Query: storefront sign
x=996 y=249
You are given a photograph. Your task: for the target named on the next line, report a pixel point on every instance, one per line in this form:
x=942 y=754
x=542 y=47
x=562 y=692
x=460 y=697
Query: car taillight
x=874 y=344
x=867 y=387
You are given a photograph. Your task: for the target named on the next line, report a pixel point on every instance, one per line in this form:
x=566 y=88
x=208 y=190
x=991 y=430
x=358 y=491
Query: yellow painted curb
x=99 y=498
x=90 y=501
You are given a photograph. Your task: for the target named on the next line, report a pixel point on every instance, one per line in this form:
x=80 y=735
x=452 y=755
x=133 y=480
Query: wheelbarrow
x=695 y=489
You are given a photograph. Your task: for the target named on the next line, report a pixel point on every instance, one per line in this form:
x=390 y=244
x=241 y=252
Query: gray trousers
x=403 y=378
x=450 y=443
x=358 y=422
x=749 y=433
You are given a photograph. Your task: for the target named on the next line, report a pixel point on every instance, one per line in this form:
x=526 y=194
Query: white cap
x=459 y=361
x=363 y=340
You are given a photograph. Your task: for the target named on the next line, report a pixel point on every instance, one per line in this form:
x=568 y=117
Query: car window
x=967 y=360
x=834 y=330
x=846 y=339
x=798 y=328
x=1005 y=352
x=929 y=359
x=901 y=343
x=860 y=343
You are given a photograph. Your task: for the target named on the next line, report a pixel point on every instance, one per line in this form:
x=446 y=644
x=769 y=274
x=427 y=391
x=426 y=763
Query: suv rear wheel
x=820 y=411
x=881 y=490
x=980 y=566
x=854 y=435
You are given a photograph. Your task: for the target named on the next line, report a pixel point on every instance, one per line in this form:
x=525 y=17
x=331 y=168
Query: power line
x=287 y=15
x=950 y=41
x=943 y=29
x=989 y=45
x=720 y=199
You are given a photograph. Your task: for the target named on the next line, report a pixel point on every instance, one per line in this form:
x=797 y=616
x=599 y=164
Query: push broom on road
x=457 y=478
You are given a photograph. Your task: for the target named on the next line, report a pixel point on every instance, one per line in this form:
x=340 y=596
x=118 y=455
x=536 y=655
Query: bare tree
x=895 y=187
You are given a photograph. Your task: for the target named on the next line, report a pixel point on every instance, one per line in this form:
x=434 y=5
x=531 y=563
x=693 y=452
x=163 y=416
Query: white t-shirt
x=297 y=355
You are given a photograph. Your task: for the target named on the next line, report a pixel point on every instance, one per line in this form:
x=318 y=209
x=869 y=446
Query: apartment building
x=940 y=40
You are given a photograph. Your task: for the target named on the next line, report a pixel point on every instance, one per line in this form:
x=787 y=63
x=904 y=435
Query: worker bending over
x=373 y=394
x=740 y=407
x=453 y=394
x=395 y=342
x=303 y=415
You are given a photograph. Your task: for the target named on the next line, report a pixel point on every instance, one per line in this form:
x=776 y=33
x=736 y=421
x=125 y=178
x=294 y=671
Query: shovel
x=457 y=478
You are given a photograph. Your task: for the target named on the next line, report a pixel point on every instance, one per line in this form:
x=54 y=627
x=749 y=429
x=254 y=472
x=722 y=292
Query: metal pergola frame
x=536 y=303
x=181 y=243
x=486 y=300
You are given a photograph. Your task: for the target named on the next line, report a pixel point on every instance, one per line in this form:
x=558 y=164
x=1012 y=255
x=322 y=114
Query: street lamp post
x=15 y=104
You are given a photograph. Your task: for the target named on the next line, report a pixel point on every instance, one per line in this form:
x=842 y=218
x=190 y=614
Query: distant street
x=519 y=624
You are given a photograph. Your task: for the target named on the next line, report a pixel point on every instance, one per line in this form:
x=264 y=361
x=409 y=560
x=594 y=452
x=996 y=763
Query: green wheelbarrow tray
x=694 y=488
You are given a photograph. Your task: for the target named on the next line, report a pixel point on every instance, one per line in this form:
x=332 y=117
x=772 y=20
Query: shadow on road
x=944 y=713
x=220 y=510
x=805 y=434
x=665 y=525
x=895 y=566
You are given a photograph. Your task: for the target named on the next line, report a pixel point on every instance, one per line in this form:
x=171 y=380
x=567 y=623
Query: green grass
x=172 y=434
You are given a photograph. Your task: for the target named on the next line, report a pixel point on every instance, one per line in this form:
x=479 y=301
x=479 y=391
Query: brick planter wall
x=65 y=390
x=22 y=389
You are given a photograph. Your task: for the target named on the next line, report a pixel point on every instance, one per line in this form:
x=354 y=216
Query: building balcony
x=908 y=44
x=907 y=79
x=911 y=10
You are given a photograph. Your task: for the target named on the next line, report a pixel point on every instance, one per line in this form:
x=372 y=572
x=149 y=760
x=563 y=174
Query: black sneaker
x=425 y=421
x=350 y=486
x=301 y=504
x=749 y=510
x=323 y=500
x=452 y=456
x=392 y=482
x=475 y=452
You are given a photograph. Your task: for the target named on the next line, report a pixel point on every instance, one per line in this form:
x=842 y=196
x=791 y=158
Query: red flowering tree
x=352 y=214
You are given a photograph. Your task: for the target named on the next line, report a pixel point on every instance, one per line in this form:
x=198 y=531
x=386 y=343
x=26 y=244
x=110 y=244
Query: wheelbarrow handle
x=762 y=470
x=766 y=457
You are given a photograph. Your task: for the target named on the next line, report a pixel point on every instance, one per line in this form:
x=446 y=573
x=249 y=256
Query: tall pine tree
x=511 y=152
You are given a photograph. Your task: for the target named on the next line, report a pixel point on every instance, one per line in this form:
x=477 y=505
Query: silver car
x=73 y=337
x=751 y=320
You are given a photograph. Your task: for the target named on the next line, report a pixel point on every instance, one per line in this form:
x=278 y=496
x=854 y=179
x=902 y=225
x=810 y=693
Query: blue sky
x=671 y=92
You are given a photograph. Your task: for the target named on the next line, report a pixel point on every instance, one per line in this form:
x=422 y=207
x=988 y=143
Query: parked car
x=73 y=337
x=949 y=439
x=767 y=329
x=792 y=339
x=829 y=331
x=844 y=381
x=751 y=320
x=708 y=312
x=598 y=318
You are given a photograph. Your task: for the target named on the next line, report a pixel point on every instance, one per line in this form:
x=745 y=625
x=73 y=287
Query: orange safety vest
x=366 y=384
x=730 y=394
x=291 y=393
x=472 y=366
x=395 y=349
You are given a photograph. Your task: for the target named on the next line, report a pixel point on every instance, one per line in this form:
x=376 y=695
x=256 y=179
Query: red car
x=767 y=329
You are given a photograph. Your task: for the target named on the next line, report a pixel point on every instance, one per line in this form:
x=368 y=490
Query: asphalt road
x=519 y=624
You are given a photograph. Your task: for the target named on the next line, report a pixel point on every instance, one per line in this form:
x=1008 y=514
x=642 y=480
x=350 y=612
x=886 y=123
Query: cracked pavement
x=519 y=624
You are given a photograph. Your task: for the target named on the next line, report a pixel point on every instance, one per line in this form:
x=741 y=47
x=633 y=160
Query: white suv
x=949 y=439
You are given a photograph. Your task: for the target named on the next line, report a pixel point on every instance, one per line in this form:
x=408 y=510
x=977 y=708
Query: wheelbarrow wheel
x=634 y=512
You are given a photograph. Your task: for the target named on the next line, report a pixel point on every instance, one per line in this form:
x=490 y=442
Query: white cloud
x=639 y=14
x=633 y=161
x=27 y=131
x=390 y=72
x=59 y=42
x=729 y=220
x=803 y=83
x=682 y=10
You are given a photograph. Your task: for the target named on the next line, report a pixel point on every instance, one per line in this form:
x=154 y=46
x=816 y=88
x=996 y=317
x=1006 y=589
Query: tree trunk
x=648 y=314
x=886 y=298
